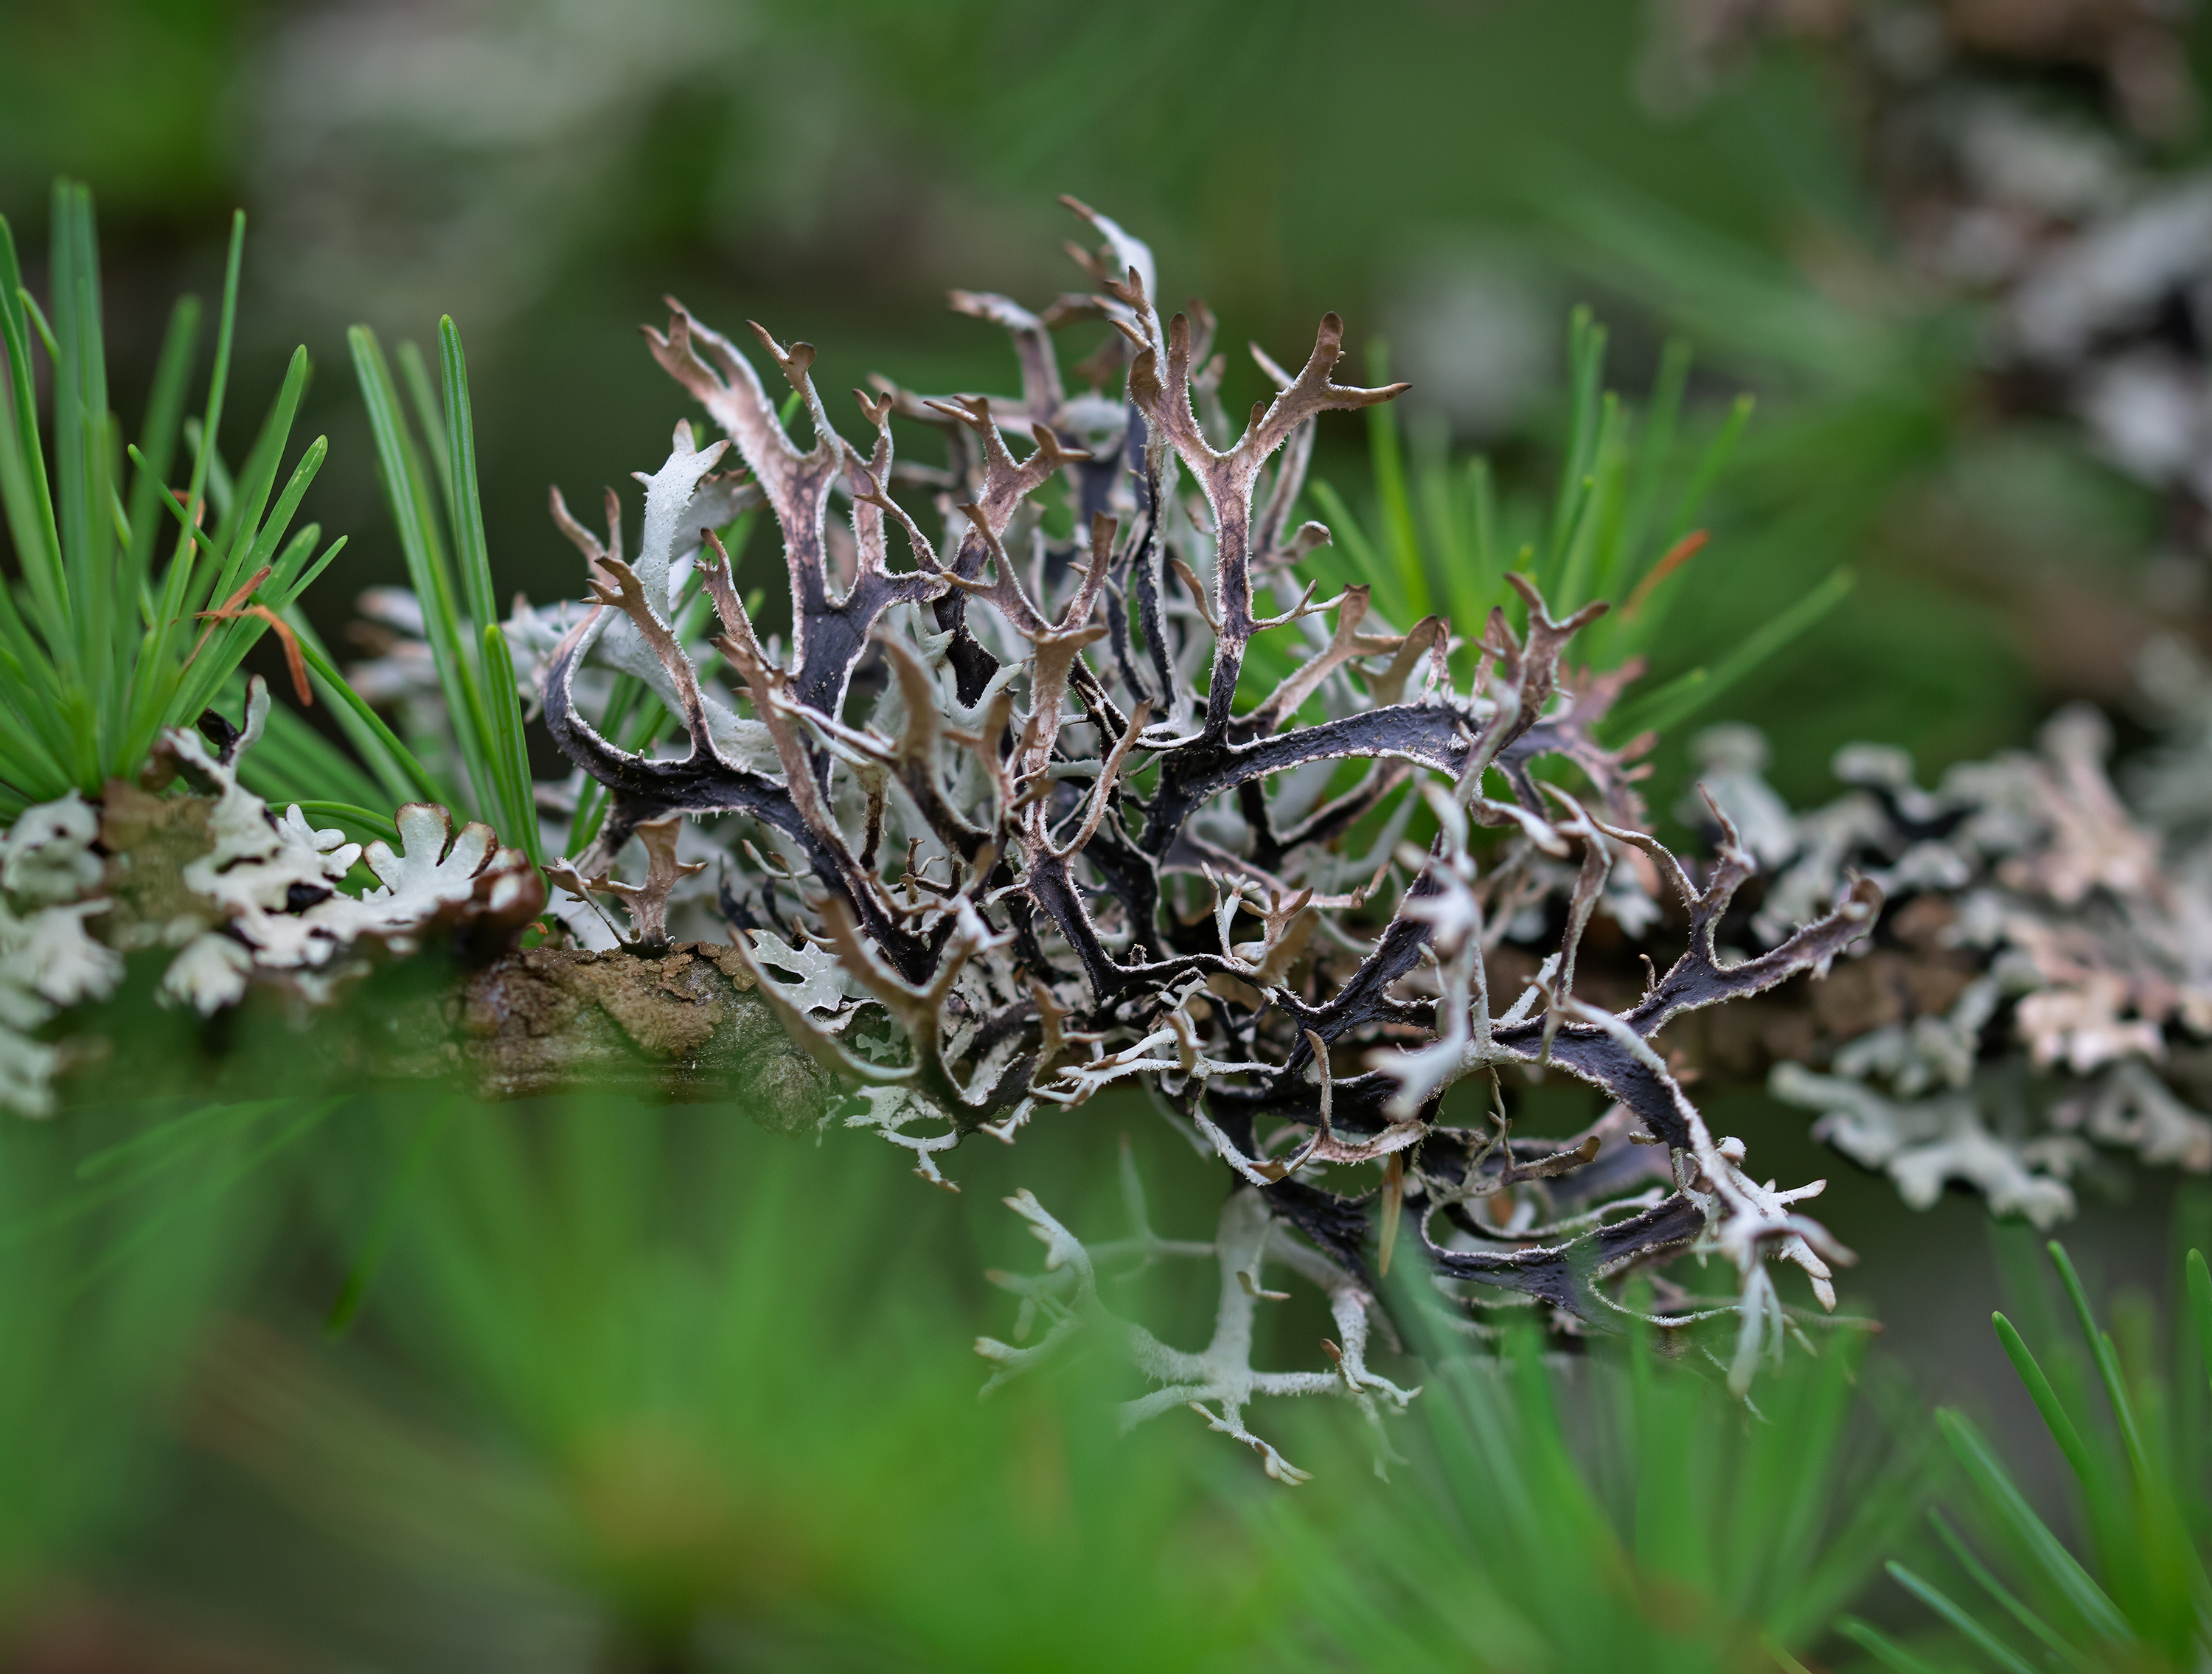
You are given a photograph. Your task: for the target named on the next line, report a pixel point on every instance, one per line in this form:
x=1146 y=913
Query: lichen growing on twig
x=2080 y=929
x=1028 y=803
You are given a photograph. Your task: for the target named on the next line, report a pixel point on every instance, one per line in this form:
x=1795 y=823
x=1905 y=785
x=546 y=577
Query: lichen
x=1025 y=806
x=2080 y=917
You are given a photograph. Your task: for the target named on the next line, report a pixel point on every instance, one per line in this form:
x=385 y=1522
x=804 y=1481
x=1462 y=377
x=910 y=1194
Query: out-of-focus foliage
x=129 y=94
x=120 y=1231
x=1607 y=1513
x=654 y=1378
x=2127 y=1412
x=581 y=1384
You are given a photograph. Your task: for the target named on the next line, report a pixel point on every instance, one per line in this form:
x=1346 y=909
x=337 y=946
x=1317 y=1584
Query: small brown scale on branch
x=1041 y=854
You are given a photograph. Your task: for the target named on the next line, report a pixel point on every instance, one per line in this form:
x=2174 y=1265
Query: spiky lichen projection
x=1066 y=1296
x=1027 y=804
